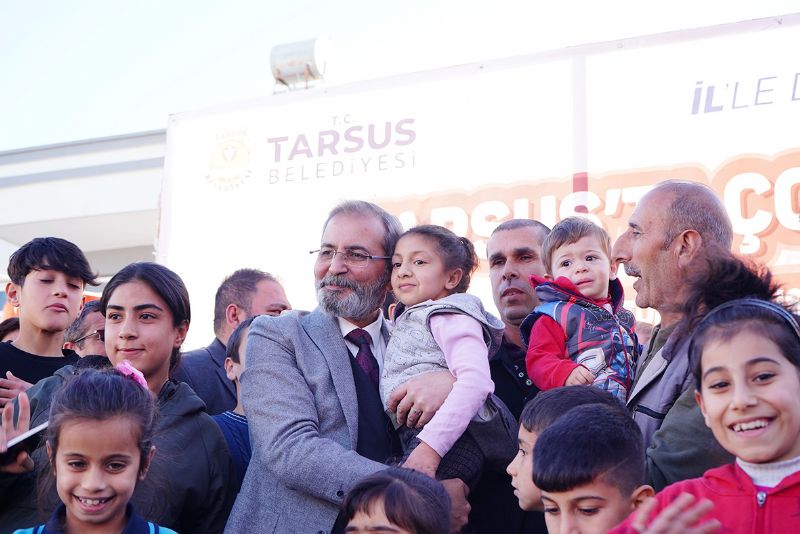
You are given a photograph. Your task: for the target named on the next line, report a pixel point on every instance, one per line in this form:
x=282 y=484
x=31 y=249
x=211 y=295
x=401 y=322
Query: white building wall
x=101 y=194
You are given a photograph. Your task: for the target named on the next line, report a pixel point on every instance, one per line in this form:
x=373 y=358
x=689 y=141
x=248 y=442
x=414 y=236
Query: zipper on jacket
x=760 y=518
x=629 y=363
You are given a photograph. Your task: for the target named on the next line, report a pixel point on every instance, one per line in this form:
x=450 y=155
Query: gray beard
x=360 y=305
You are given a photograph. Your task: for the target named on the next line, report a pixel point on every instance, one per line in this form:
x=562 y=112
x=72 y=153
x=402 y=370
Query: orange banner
x=761 y=194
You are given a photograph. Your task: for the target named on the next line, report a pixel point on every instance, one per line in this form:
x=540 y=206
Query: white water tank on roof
x=300 y=62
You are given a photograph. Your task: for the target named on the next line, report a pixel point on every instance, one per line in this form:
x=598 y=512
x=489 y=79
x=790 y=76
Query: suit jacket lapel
x=217 y=350
x=325 y=333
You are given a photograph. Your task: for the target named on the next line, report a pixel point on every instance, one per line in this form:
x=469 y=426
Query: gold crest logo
x=229 y=167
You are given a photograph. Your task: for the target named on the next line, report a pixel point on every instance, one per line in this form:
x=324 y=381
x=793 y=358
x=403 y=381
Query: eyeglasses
x=351 y=257
x=100 y=333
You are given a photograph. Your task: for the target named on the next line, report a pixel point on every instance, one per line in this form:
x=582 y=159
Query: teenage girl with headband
x=746 y=362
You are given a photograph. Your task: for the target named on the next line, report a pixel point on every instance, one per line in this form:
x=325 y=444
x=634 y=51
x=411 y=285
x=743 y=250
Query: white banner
x=472 y=146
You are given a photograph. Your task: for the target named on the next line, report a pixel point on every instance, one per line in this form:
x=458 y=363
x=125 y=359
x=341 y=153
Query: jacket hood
x=177 y=399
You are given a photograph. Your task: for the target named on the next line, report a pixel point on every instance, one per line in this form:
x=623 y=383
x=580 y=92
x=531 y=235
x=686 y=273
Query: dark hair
x=760 y=317
x=590 y=442
x=166 y=285
x=456 y=252
x=237 y=289
x=411 y=500
x=237 y=336
x=695 y=207
x=50 y=253
x=571 y=230
x=513 y=224
x=78 y=327
x=367 y=209
x=8 y=325
x=547 y=406
x=721 y=277
x=98 y=395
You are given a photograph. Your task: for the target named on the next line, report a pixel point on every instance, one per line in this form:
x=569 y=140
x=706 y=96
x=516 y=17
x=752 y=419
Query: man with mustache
x=310 y=387
x=674 y=231
x=514 y=252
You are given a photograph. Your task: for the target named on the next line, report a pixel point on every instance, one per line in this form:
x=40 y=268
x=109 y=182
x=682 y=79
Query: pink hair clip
x=132 y=372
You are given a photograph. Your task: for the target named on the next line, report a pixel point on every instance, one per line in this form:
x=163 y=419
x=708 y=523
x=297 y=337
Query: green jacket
x=678 y=443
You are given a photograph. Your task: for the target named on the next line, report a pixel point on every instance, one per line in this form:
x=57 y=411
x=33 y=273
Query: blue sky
x=91 y=68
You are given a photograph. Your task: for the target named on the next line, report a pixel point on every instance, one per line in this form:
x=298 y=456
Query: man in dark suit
x=245 y=293
x=309 y=389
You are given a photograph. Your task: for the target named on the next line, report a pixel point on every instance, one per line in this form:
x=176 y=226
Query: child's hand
x=680 y=517
x=11 y=387
x=580 y=375
x=23 y=462
x=423 y=459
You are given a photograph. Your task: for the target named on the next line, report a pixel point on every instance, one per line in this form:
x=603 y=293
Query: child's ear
x=613 y=271
x=229 y=369
x=454 y=278
x=181 y=331
x=147 y=461
x=641 y=494
x=548 y=276
x=12 y=294
x=699 y=398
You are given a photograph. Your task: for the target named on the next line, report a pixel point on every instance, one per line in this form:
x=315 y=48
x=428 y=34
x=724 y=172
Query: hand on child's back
x=423 y=395
x=579 y=376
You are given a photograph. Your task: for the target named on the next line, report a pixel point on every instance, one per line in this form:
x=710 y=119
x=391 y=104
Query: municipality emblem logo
x=229 y=167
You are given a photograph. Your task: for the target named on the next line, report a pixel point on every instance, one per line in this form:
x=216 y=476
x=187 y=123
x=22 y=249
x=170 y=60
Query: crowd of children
x=126 y=448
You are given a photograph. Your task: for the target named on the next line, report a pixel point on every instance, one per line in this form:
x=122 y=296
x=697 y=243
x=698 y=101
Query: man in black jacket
x=514 y=252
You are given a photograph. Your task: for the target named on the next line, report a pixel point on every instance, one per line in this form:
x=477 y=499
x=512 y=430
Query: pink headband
x=132 y=372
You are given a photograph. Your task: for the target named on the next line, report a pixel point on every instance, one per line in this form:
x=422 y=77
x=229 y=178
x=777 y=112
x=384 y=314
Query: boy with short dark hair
x=580 y=333
x=589 y=466
x=233 y=424
x=48 y=275
x=537 y=415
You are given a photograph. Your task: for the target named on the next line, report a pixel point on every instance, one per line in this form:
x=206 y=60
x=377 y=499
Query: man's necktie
x=365 y=359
